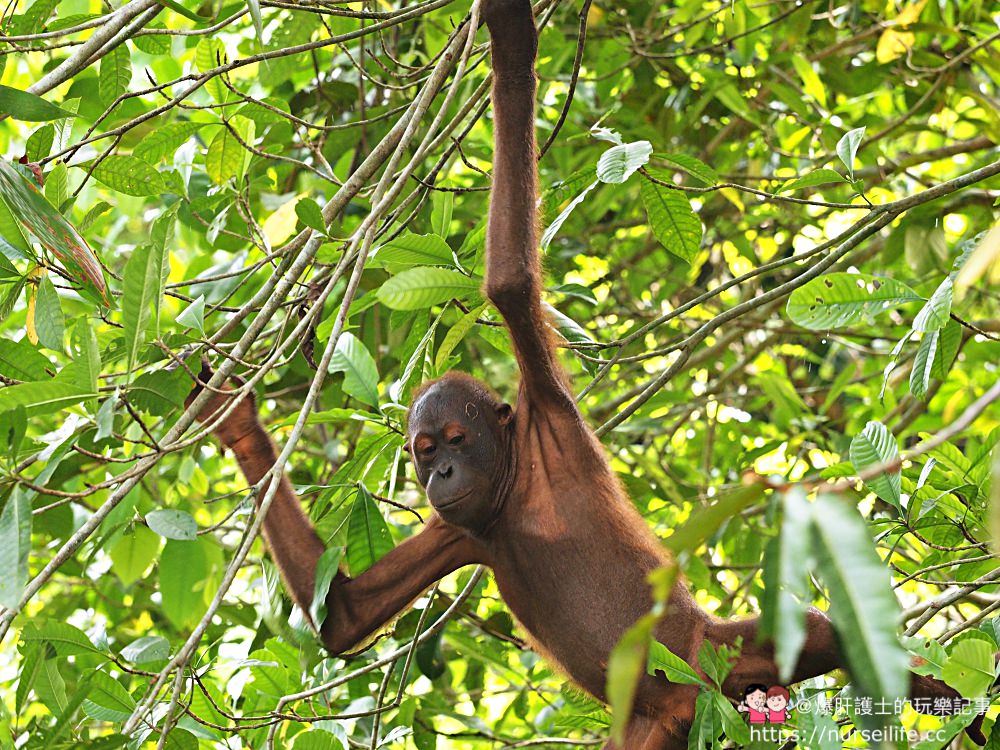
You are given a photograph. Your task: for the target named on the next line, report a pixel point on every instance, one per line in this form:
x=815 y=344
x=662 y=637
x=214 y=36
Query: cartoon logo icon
x=754 y=703
x=765 y=705
x=777 y=704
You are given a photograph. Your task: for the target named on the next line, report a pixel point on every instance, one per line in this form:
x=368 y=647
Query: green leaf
x=15 y=543
x=920 y=375
x=424 y=286
x=674 y=223
x=368 y=537
x=64 y=638
x=142 y=290
x=39 y=143
x=173 y=524
x=146 y=649
x=811 y=82
x=48 y=396
x=225 y=158
x=786 y=587
x=183 y=570
x=553 y=229
x=928 y=655
x=106 y=699
x=115 y=75
x=414 y=250
x=310 y=214
x=130 y=176
x=863 y=608
x=455 y=335
x=626 y=664
x=970 y=667
x=733 y=724
x=159 y=392
x=57 y=186
x=360 y=372
x=193 y=316
x=21 y=105
x=133 y=553
x=442 y=205
x=840 y=299
x=934 y=314
x=164 y=141
x=208 y=55
x=25 y=208
x=21 y=361
x=48 y=316
x=674 y=668
x=875 y=446
x=152 y=44
x=95 y=212
x=706 y=521
x=814 y=178
x=619 y=163
x=847 y=148
x=326 y=570
x=694 y=167
x=949 y=340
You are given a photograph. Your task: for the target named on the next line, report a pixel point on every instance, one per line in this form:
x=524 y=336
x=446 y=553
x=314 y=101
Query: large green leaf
x=106 y=699
x=133 y=553
x=626 y=665
x=22 y=105
x=165 y=141
x=146 y=649
x=674 y=223
x=326 y=570
x=862 y=606
x=934 y=314
x=33 y=213
x=920 y=375
x=694 y=167
x=619 y=163
x=130 y=175
x=553 y=229
x=368 y=537
x=15 y=543
x=786 y=589
x=65 y=639
x=44 y=397
x=183 y=571
x=414 y=250
x=841 y=299
x=143 y=288
x=970 y=667
x=874 y=446
x=847 y=148
x=49 y=321
x=115 y=74
x=706 y=521
x=360 y=371
x=673 y=667
x=171 y=523
x=421 y=287
x=21 y=361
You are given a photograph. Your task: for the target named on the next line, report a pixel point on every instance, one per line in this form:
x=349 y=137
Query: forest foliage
x=772 y=260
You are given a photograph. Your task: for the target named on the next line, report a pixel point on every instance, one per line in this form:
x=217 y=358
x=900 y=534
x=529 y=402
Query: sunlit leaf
x=841 y=299
x=875 y=446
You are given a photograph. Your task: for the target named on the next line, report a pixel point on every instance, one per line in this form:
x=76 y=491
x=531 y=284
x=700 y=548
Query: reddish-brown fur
x=569 y=551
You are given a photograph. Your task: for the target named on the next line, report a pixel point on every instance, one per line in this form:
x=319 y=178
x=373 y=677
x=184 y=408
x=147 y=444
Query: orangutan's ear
x=504 y=414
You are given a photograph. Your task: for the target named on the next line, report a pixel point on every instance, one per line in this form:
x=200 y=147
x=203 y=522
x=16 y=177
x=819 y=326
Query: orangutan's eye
x=457 y=440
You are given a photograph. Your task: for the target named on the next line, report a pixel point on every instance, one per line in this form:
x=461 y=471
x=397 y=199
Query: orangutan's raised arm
x=513 y=273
